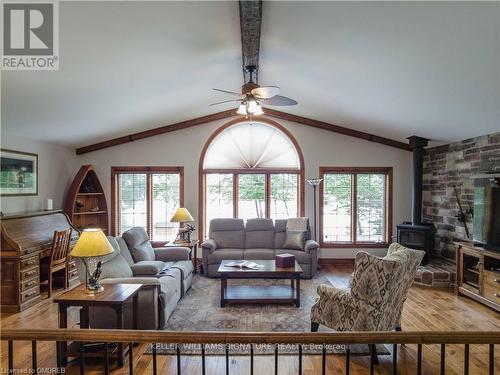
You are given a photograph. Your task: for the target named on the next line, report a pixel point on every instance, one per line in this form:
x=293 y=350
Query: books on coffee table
x=243 y=264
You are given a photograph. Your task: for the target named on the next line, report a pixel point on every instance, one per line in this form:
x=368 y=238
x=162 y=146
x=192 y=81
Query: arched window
x=251 y=169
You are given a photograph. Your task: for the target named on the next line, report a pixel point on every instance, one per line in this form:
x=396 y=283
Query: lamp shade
x=92 y=243
x=181 y=215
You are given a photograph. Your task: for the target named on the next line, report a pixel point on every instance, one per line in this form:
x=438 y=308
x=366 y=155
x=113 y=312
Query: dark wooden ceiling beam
x=250 y=23
x=156 y=131
x=336 y=128
x=231 y=113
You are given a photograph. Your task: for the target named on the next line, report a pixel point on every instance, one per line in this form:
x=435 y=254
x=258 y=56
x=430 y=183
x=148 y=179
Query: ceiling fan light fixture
x=242 y=109
x=252 y=106
x=258 y=110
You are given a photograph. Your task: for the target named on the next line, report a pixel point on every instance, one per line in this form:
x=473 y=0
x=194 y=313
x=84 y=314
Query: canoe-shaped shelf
x=86 y=202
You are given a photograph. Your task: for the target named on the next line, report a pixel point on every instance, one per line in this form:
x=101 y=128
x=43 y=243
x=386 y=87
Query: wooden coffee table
x=260 y=293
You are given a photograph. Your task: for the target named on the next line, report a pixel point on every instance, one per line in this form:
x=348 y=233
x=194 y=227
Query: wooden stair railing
x=323 y=339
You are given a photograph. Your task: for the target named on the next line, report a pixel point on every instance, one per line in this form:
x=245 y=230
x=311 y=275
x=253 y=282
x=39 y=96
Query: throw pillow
x=294 y=240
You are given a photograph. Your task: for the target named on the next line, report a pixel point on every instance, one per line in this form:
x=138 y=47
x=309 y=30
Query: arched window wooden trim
x=201 y=171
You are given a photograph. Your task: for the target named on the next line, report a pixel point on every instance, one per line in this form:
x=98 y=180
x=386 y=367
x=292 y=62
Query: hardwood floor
x=425 y=310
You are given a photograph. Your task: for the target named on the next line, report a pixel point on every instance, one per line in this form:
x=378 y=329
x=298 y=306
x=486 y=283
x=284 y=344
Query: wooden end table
x=260 y=293
x=114 y=295
x=193 y=254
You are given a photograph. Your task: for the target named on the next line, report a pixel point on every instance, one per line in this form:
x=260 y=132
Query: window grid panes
x=370 y=207
x=218 y=197
x=284 y=196
x=251 y=196
x=166 y=200
x=258 y=195
x=135 y=210
x=133 y=201
x=337 y=208
x=354 y=207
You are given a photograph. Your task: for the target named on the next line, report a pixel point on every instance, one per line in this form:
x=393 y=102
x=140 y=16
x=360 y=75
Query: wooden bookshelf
x=86 y=202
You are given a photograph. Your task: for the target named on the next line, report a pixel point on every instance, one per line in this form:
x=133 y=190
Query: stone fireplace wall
x=449 y=165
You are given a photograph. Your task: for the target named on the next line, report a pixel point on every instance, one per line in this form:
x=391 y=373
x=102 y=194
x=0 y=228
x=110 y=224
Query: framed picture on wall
x=18 y=173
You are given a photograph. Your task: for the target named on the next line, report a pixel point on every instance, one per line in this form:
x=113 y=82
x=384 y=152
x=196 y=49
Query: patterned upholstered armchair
x=374 y=301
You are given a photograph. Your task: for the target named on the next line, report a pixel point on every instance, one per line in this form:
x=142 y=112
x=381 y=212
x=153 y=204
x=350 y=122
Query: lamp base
x=93 y=289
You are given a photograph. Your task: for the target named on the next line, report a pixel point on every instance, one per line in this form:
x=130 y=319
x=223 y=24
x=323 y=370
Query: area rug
x=199 y=310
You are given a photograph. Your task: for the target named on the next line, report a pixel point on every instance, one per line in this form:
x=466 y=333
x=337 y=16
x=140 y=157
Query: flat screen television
x=486 y=222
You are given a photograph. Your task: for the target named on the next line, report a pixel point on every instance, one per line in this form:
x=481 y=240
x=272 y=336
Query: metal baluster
x=227 y=359
x=300 y=359
x=466 y=359
x=11 y=356
x=347 y=360
x=419 y=359
x=394 y=359
x=178 y=350
x=203 y=369
x=443 y=363
x=33 y=357
x=106 y=359
x=323 y=360
x=492 y=359
x=276 y=360
x=154 y=359
x=82 y=357
x=130 y=359
x=251 y=359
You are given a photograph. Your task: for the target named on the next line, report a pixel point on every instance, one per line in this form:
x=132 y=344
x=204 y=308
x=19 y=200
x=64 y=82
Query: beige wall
x=319 y=147
x=57 y=166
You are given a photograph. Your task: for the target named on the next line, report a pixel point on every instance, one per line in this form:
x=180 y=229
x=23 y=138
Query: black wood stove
x=415 y=234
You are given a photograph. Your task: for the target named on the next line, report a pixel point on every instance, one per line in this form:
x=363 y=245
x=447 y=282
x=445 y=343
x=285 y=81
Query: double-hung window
x=146 y=197
x=355 y=207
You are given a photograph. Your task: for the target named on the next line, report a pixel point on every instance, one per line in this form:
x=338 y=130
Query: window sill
x=350 y=245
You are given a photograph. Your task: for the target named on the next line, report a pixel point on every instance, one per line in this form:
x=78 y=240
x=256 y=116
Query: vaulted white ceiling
x=392 y=69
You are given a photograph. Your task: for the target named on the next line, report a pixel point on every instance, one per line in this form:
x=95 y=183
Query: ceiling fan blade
x=225 y=101
x=228 y=92
x=279 y=100
x=265 y=92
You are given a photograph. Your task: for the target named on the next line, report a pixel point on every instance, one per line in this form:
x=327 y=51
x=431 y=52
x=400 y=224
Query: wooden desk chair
x=58 y=258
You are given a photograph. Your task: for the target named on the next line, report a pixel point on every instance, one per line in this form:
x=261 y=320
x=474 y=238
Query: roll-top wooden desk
x=26 y=239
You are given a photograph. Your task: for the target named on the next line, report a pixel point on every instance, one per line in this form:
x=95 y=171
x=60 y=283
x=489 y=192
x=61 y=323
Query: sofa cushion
x=116 y=267
x=135 y=236
x=185 y=266
x=294 y=240
x=169 y=287
x=225 y=254
x=279 y=233
x=148 y=267
x=259 y=233
x=143 y=252
x=300 y=256
x=124 y=250
x=228 y=233
x=256 y=254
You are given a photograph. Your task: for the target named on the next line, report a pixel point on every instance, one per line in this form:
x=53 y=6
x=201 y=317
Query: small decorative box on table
x=285 y=260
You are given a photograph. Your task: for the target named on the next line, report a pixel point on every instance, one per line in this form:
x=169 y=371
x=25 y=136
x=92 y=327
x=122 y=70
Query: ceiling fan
x=252 y=96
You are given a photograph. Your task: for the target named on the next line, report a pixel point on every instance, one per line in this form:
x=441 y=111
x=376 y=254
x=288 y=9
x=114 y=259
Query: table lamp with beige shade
x=91 y=245
x=182 y=216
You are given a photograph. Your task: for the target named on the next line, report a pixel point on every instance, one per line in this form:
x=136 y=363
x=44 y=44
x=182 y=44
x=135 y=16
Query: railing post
x=347 y=360
x=227 y=359
x=300 y=359
x=203 y=370
x=130 y=359
x=492 y=359
x=394 y=359
x=466 y=359
x=34 y=364
x=178 y=352
x=11 y=356
x=442 y=364
x=106 y=359
x=276 y=359
x=251 y=359
x=154 y=358
x=419 y=359
x=323 y=360
x=82 y=357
